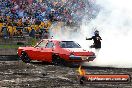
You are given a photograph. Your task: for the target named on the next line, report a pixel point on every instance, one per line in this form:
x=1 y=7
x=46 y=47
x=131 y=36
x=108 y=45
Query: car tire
x=56 y=60
x=25 y=58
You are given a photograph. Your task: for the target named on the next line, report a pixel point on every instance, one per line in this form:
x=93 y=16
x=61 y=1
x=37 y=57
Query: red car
x=55 y=51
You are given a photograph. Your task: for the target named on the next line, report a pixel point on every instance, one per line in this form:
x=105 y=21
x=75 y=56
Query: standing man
x=97 y=40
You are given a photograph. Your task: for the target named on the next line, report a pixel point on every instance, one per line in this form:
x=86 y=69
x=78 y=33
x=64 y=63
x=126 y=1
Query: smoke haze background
x=115 y=25
x=114 y=21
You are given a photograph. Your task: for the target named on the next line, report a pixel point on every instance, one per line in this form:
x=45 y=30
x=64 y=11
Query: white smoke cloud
x=114 y=22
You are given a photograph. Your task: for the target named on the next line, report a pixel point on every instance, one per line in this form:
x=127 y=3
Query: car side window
x=50 y=45
x=42 y=44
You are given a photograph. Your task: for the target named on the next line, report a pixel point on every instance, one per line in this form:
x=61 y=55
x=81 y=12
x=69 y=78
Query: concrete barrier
x=9 y=58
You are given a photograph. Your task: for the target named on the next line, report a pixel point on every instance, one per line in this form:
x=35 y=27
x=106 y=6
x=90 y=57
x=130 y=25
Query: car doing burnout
x=55 y=51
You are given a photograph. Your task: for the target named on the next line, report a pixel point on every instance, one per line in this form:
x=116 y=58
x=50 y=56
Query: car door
x=38 y=49
x=48 y=51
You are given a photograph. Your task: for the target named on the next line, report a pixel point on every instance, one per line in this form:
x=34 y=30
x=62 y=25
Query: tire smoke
x=114 y=23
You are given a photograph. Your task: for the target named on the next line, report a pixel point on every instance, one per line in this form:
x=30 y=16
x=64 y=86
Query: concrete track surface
x=16 y=74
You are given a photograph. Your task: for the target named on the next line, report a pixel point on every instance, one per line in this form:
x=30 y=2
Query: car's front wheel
x=24 y=57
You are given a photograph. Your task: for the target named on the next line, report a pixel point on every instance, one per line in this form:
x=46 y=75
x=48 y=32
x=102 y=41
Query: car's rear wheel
x=56 y=60
x=25 y=58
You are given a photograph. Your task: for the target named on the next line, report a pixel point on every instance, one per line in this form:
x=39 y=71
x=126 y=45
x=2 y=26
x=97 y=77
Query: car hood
x=25 y=48
x=80 y=51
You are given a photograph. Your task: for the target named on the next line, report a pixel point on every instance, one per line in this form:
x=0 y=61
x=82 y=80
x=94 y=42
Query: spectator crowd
x=36 y=16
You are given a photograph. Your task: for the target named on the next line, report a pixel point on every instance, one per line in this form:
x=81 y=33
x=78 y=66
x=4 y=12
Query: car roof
x=55 y=40
x=51 y=39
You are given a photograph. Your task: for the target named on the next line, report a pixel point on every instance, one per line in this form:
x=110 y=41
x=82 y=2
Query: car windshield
x=69 y=44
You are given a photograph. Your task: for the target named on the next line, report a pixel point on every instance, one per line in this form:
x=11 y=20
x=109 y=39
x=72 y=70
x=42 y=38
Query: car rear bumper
x=82 y=58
